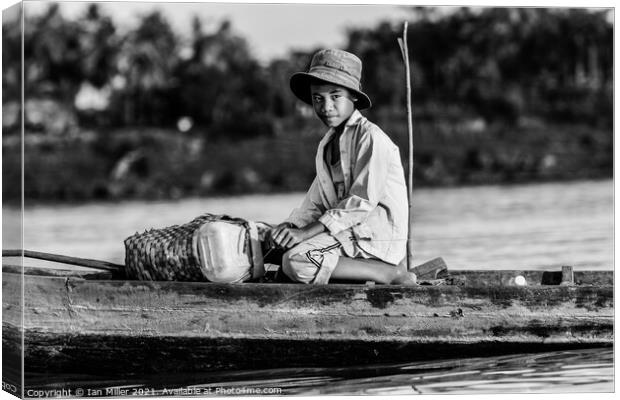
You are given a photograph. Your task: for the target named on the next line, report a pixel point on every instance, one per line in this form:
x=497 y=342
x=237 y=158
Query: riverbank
x=145 y=163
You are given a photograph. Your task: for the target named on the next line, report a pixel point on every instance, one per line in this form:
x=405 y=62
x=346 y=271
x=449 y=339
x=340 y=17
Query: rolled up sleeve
x=310 y=209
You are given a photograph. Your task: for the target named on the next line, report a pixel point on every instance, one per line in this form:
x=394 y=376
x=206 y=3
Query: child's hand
x=276 y=230
x=287 y=236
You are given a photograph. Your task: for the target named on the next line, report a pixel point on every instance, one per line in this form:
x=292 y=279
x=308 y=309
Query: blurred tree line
x=486 y=82
x=498 y=63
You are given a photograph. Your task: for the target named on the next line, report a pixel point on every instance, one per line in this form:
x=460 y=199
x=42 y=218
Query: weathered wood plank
x=68 y=318
x=270 y=310
x=458 y=277
x=506 y=277
x=112 y=355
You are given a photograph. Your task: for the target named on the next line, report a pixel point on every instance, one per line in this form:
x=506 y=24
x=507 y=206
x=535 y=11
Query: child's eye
x=317 y=99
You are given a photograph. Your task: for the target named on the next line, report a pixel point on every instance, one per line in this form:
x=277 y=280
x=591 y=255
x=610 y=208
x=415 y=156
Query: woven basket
x=167 y=254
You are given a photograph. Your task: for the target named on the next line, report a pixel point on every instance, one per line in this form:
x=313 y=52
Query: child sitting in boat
x=352 y=223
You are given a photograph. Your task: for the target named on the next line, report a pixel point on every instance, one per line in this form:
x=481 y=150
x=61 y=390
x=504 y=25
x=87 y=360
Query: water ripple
x=588 y=370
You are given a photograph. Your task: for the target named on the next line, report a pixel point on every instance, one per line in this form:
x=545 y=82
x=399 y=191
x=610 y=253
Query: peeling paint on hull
x=117 y=327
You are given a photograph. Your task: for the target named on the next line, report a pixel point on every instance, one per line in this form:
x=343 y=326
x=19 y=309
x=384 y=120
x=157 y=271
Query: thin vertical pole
x=405 y=53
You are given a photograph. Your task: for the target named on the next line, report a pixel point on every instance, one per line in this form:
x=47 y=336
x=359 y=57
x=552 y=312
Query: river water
x=534 y=226
x=570 y=371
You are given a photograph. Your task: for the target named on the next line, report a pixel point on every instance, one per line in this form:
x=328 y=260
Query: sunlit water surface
x=588 y=370
x=486 y=227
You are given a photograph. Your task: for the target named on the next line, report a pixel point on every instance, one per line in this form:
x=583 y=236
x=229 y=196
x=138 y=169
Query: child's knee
x=296 y=267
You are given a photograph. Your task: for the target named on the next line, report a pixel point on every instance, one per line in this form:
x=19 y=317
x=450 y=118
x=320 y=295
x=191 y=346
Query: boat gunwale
x=491 y=278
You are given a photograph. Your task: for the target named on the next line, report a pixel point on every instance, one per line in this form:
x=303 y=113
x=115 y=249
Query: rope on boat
x=82 y=262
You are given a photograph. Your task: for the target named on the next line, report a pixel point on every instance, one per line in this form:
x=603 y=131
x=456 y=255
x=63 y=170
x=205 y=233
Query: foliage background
x=501 y=95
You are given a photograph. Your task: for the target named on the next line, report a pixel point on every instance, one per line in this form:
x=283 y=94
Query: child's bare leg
x=360 y=269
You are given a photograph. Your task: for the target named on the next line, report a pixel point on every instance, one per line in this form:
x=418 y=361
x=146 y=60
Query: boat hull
x=119 y=327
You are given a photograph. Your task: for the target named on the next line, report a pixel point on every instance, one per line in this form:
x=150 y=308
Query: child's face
x=333 y=104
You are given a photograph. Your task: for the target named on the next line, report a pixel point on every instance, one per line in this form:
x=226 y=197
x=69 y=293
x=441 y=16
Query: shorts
x=314 y=260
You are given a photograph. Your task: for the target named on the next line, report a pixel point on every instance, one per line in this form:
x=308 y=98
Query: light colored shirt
x=374 y=209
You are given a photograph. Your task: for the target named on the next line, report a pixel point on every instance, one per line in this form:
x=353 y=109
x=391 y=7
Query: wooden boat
x=92 y=322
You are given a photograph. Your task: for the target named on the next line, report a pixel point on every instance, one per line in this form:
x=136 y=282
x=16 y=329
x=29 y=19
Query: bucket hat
x=331 y=66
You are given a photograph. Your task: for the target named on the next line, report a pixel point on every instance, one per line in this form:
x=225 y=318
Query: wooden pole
x=405 y=53
x=83 y=262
